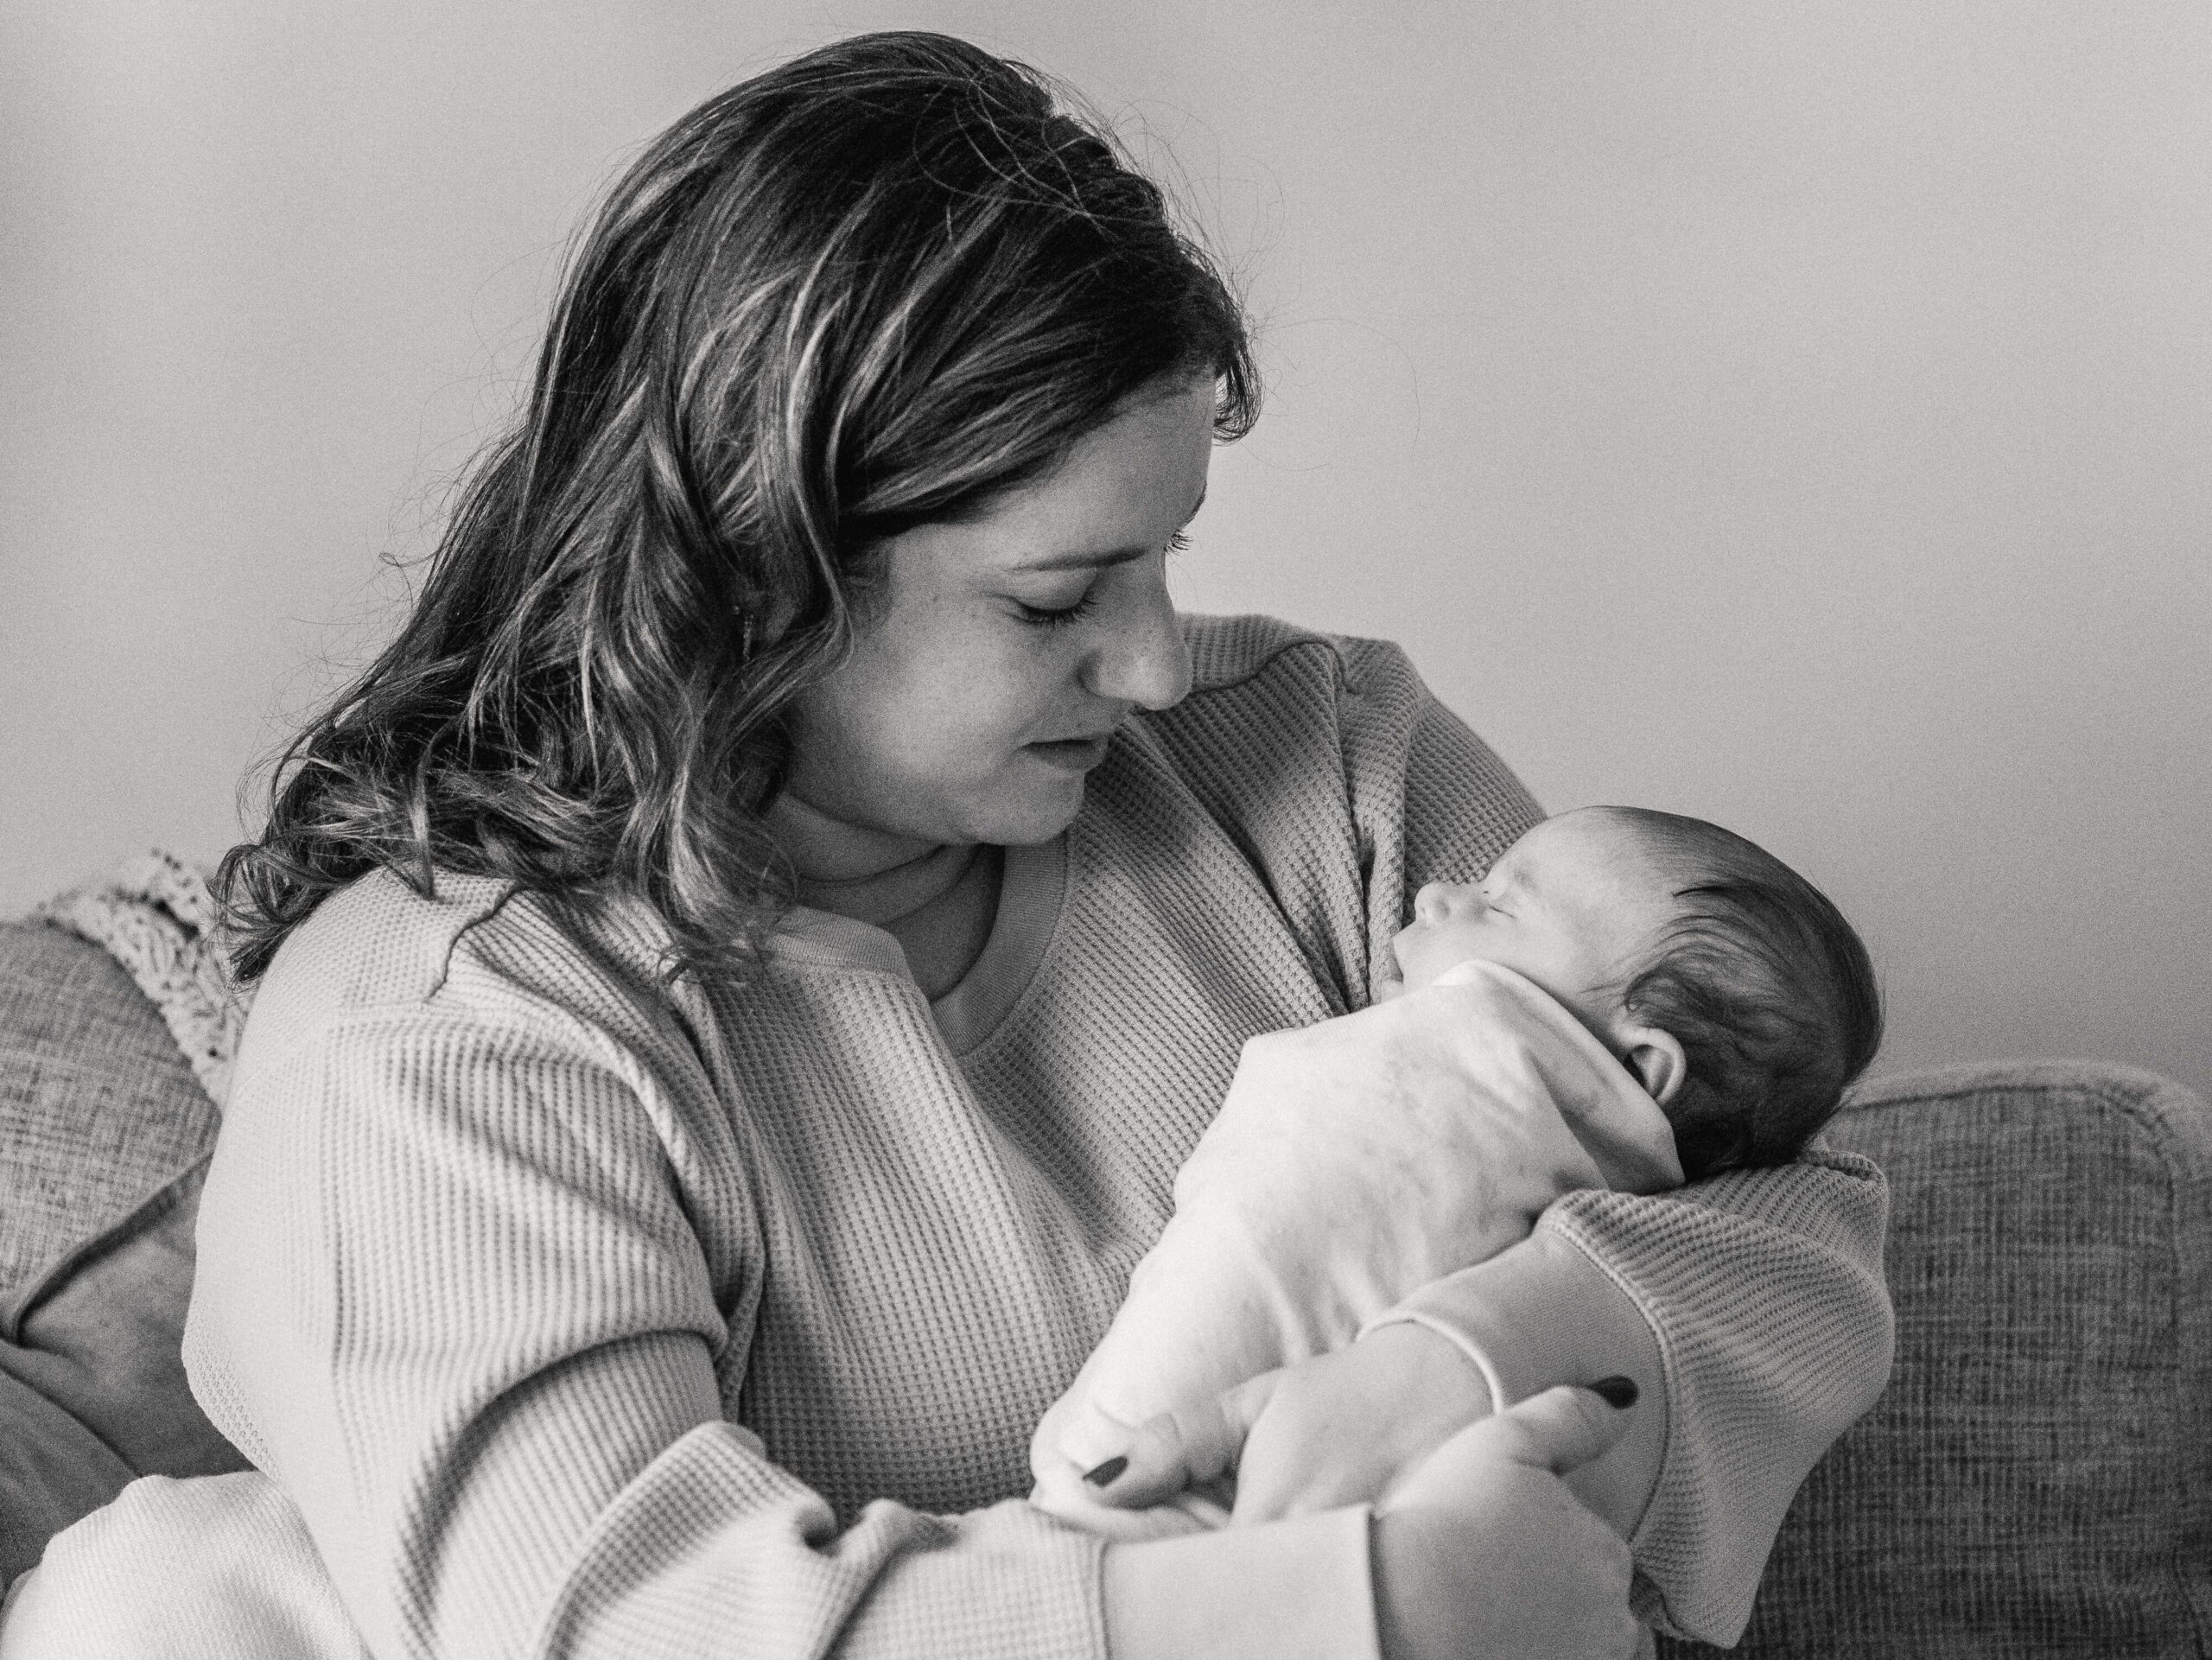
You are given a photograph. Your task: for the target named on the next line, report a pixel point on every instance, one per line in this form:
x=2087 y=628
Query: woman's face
x=1002 y=652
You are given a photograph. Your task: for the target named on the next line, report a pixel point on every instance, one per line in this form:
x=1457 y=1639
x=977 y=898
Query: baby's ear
x=1657 y=1060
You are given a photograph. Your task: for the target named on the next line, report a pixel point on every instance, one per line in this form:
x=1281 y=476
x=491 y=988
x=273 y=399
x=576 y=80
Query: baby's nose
x=1433 y=902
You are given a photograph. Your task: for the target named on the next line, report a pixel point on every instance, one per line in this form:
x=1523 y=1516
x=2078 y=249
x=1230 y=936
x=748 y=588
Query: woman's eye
x=1047 y=617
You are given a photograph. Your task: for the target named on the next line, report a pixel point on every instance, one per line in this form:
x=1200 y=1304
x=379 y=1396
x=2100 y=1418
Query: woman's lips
x=1070 y=754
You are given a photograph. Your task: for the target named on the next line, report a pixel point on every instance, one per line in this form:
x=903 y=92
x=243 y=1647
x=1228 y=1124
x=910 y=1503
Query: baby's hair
x=1766 y=986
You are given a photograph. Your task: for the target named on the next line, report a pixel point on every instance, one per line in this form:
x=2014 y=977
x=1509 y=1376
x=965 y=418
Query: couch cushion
x=52 y=1470
x=103 y=1139
x=2038 y=1479
x=99 y=1112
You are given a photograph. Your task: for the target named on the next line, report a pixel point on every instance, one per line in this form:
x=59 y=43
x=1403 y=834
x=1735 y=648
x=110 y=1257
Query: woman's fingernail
x=1617 y=1391
x=1104 y=1474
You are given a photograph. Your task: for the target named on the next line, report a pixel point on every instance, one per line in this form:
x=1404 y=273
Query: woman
x=740 y=971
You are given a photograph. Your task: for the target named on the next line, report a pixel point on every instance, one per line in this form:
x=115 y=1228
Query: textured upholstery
x=103 y=1137
x=99 y=1112
x=2037 y=1480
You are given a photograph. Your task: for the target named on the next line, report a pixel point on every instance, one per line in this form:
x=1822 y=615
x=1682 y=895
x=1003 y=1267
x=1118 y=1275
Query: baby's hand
x=1334 y=1430
x=1184 y=1451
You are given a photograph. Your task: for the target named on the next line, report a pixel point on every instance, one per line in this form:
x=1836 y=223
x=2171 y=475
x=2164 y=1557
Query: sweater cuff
x=1542 y=1312
x=1301 y=1589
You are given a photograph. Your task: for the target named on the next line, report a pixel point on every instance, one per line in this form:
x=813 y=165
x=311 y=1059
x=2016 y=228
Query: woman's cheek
x=976 y=712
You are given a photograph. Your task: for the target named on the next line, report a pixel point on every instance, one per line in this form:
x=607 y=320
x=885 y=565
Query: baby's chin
x=1427 y=974
x=1392 y=979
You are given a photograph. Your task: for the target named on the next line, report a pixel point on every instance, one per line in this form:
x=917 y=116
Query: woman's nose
x=1145 y=662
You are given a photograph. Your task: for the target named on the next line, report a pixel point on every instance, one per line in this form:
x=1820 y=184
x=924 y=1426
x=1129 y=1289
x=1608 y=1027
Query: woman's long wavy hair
x=863 y=292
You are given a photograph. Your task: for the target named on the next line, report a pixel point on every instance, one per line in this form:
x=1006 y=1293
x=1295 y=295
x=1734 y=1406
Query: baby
x=1657 y=1000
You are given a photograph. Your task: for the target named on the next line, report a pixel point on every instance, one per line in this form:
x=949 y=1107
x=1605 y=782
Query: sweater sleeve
x=1763 y=1292
x=451 y=1297
x=1752 y=1306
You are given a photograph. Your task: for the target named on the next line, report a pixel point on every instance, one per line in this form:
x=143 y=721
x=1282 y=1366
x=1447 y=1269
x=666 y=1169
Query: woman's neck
x=868 y=875
x=937 y=901
x=885 y=896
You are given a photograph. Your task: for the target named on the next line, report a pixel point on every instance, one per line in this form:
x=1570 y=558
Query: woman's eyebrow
x=1085 y=561
x=1110 y=557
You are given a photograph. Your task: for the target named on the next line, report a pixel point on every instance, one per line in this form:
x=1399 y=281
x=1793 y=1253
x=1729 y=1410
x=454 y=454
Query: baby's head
x=1724 y=980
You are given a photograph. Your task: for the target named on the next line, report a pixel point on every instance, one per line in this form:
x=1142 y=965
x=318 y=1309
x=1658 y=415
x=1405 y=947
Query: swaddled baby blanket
x=1302 y=1215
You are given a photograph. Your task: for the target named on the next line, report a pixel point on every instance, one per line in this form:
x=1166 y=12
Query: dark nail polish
x=1616 y=1392
x=1104 y=1474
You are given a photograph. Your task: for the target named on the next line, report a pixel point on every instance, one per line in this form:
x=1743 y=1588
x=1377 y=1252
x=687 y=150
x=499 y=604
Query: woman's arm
x=472 y=1288
x=1760 y=1296
x=1298 y=1589
x=1482 y=1550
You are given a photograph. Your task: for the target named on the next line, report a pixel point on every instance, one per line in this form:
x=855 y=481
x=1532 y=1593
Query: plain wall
x=1796 y=416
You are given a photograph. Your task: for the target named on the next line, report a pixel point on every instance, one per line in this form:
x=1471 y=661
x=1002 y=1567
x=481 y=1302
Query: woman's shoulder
x=468 y=946
x=1257 y=655
x=1276 y=695
x=1297 y=735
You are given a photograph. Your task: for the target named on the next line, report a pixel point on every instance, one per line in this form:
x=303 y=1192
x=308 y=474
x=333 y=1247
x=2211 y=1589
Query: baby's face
x=1567 y=905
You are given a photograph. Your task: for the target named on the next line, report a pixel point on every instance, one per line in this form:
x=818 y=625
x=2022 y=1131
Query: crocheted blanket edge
x=156 y=916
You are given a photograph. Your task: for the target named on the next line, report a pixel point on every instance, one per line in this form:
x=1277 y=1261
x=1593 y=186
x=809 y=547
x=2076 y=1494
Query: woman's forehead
x=1122 y=490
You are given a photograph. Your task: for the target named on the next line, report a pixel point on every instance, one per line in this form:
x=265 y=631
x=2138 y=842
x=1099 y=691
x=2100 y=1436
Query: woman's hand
x=1339 y=1428
x=1334 y=1430
x=1482 y=1554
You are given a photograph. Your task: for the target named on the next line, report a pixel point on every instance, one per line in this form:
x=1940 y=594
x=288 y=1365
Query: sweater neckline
x=1032 y=887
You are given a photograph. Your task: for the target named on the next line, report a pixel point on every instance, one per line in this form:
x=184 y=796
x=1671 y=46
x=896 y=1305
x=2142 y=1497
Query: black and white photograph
x=942 y=829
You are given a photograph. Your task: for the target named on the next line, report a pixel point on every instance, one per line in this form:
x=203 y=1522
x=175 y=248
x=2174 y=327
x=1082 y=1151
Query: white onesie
x=1297 y=1222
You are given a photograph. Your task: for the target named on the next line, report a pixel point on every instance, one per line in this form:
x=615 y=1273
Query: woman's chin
x=1033 y=811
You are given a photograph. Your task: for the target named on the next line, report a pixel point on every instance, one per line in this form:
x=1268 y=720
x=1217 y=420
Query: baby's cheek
x=1423 y=954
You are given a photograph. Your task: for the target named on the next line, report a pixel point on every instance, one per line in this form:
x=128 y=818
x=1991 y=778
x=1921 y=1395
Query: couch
x=2036 y=1481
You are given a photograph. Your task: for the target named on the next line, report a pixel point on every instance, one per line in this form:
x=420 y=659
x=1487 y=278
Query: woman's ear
x=1657 y=1060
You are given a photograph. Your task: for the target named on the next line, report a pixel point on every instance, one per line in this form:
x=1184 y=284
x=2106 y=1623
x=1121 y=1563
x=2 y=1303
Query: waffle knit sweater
x=580 y=1314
